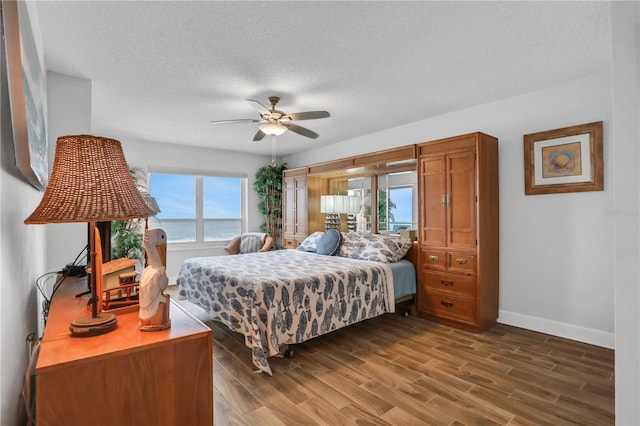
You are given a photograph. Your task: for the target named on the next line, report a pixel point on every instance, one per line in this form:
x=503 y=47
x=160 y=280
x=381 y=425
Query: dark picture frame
x=564 y=160
x=27 y=94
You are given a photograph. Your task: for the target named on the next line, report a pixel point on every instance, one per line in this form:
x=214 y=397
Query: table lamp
x=333 y=206
x=90 y=182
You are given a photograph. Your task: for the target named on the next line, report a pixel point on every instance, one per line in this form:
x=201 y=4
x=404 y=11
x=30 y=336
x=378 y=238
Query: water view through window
x=197 y=208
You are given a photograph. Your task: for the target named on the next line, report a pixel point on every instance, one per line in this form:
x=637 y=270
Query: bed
x=284 y=297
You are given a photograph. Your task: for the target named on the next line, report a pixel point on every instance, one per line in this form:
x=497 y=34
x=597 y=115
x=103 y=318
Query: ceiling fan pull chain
x=273 y=150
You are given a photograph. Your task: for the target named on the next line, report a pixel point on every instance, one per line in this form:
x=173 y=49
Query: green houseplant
x=127 y=235
x=268 y=186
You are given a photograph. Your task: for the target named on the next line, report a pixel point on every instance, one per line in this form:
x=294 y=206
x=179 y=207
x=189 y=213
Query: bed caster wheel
x=288 y=353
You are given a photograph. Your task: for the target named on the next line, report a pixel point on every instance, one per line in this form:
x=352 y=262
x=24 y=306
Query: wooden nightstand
x=125 y=377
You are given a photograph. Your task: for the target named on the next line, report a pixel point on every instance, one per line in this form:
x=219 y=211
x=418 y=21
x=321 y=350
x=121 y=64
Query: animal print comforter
x=284 y=297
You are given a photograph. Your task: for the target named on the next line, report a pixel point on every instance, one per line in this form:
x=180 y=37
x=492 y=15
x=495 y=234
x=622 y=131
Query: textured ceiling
x=162 y=70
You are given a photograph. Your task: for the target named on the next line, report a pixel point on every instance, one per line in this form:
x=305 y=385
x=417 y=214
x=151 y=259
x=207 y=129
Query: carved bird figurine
x=154 y=304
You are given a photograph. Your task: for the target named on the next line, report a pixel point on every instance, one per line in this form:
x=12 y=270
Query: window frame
x=199 y=220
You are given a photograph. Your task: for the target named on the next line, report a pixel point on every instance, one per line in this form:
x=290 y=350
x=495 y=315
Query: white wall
x=625 y=25
x=69 y=113
x=22 y=256
x=556 y=257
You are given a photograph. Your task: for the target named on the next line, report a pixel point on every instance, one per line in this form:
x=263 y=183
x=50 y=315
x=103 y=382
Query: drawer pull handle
x=446 y=304
x=433 y=258
x=446 y=282
x=461 y=261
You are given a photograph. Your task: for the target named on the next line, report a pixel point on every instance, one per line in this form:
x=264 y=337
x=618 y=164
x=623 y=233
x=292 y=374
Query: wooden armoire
x=458 y=231
x=301 y=206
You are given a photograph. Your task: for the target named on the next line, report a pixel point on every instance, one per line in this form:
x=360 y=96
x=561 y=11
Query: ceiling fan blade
x=309 y=115
x=258 y=136
x=266 y=108
x=301 y=130
x=239 y=120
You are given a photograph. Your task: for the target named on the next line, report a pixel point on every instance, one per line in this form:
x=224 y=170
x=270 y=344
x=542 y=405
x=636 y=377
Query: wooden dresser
x=458 y=231
x=125 y=377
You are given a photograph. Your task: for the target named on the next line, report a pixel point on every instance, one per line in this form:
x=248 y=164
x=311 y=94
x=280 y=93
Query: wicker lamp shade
x=90 y=182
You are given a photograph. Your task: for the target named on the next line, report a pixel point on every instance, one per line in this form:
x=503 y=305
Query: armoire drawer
x=288 y=242
x=434 y=259
x=461 y=263
x=444 y=306
x=461 y=285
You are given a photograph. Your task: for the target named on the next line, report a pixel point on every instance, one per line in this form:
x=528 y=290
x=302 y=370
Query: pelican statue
x=154 y=304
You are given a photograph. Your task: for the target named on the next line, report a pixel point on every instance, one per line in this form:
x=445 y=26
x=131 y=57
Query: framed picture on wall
x=26 y=77
x=564 y=160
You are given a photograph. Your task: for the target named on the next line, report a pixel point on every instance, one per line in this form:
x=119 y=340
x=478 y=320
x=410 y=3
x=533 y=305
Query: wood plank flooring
x=395 y=370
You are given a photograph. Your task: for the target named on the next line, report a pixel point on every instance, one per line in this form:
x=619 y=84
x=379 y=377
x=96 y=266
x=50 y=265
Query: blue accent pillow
x=309 y=243
x=329 y=243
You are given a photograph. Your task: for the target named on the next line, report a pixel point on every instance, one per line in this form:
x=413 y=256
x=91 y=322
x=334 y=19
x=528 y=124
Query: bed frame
x=404 y=304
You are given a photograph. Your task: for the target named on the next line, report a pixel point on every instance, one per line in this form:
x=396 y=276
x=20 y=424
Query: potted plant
x=268 y=186
x=127 y=235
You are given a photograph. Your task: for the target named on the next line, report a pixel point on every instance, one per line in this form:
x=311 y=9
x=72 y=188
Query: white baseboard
x=559 y=329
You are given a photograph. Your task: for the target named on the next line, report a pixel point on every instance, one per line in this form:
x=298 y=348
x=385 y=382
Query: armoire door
x=461 y=200
x=289 y=203
x=301 y=206
x=433 y=200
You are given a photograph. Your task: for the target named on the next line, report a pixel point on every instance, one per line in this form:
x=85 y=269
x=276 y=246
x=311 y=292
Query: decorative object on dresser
x=154 y=303
x=564 y=160
x=119 y=285
x=458 y=231
x=90 y=182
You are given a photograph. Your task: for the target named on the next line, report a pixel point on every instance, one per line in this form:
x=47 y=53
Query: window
x=401 y=208
x=198 y=208
x=397 y=207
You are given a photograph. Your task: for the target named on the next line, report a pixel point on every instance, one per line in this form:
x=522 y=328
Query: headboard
x=412 y=255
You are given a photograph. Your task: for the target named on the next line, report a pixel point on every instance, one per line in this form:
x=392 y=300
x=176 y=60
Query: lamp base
x=93 y=326
x=332 y=221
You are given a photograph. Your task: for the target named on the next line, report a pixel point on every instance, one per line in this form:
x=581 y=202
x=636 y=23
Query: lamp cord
x=27 y=387
x=60 y=277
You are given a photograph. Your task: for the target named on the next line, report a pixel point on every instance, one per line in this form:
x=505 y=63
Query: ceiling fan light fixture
x=273 y=129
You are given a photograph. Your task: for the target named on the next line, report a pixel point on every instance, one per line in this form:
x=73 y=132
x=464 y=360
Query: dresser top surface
x=59 y=347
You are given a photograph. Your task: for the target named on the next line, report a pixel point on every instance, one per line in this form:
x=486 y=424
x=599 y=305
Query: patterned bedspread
x=284 y=297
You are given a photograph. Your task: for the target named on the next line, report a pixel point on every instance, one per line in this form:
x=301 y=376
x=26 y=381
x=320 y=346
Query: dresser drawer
x=289 y=242
x=462 y=263
x=461 y=285
x=434 y=259
x=445 y=306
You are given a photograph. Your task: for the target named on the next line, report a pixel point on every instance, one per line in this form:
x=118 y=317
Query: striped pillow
x=250 y=244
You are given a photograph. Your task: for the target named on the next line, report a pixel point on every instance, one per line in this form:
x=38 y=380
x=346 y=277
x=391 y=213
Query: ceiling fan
x=275 y=122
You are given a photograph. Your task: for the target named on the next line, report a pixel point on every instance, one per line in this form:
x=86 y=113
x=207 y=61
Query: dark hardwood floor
x=395 y=370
